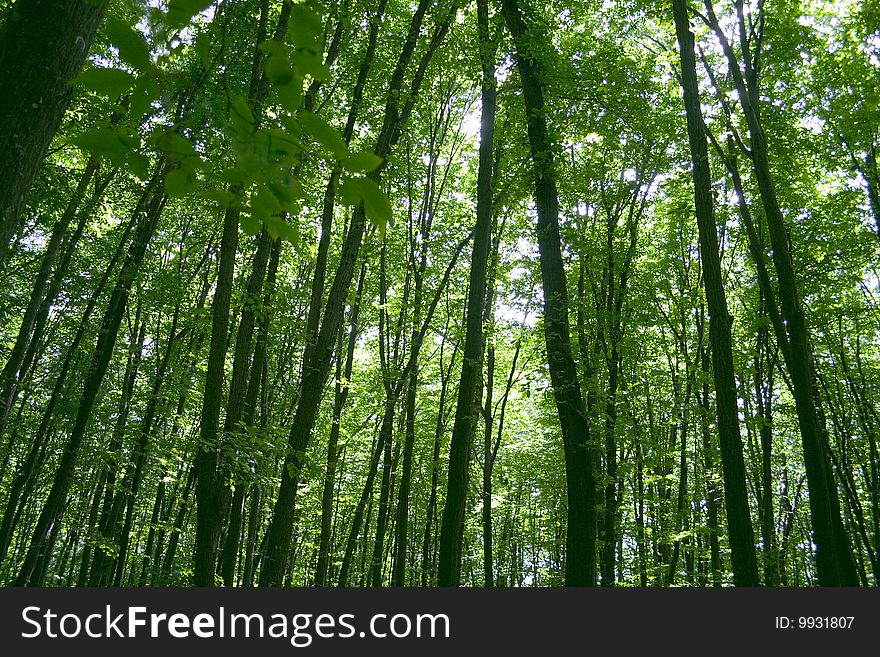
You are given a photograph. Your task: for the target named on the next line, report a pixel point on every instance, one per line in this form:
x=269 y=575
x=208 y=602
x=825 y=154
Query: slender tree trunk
x=247 y=578
x=43 y=46
x=103 y=558
x=211 y=491
x=452 y=524
x=358 y=515
x=235 y=407
x=580 y=558
x=834 y=558
x=763 y=383
x=11 y=376
x=402 y=515
x=177 y=528
x=739 y=522
x=428 y=541
x=343 y=383
x=158 y=503
x=86 y=553
x=317 y=369
x=712 y=498
x=488 y=454
x=382 y=516
x=137 y=469
x=24 y=479
x=146 y=216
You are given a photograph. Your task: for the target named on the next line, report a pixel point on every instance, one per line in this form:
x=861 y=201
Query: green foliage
x=319 y=130
x=171 y=106
x=132 y=46
x=106 y=81
x=180 y=12
x=117 y=145
x=362 y=162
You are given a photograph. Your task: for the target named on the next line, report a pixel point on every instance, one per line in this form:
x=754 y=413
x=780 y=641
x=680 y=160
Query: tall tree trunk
x=12 y=374
x=43 y=46
x=402 y=515
x=158 y=503
x=238 y=388
x=377 y=560
x=617 y=279
x=211 y=491
x=137 y=468
x=488 y=458
x=177 y=529
x=317 y=369
x=419 y=263
x=343 y=384
x=103 y=556
x=580 y=557
x=428 y=536
x=146 y=216
x=712 y=500
x=763 y=383
x=452 y=523
x=834 y=560
x=742 y=538
x=21 y=486
x=365 y=499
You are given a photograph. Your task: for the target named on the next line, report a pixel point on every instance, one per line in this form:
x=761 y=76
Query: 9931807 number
x=825 y=622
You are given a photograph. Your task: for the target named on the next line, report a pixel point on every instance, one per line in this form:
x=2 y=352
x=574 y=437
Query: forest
x=486 y=293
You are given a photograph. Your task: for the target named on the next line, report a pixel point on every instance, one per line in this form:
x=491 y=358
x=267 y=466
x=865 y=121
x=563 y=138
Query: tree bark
x=742 y=538
x=147 y=217
x=42 y=48
x=834 y=559
x=317 y=369
x=580 y=559
x=452 y=523
x=343 y=384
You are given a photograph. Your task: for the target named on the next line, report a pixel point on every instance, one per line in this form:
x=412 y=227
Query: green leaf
x=279 y=71
x=264 y=204
x=362 y=162
x=244 y=170
x=291 y=95
x=181 y=147
x=102 y=141
x=311 y=63
x=250 y=224
x=177 y=183
x=286 y=193
x=132 y=45
x=305 y=26
x=283 y=143
x=203 y=48
x=350 y=192
x=273 y=48
x=117 y=146
x=105 y=81
x=376 y=204
x=291 y=125
x=223 y=196
x=138 y=164
x=323 y=133
x=241 y=117
x=181 y=11
x=145 y=91
x=278 y=227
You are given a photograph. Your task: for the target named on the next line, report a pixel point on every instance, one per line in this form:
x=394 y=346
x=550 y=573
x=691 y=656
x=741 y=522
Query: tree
x=43 y=46
x=581 y=531
x=742 y=538
x=246 y=338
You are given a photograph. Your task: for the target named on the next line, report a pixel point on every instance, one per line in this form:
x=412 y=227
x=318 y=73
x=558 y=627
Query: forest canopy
x=439 y=293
